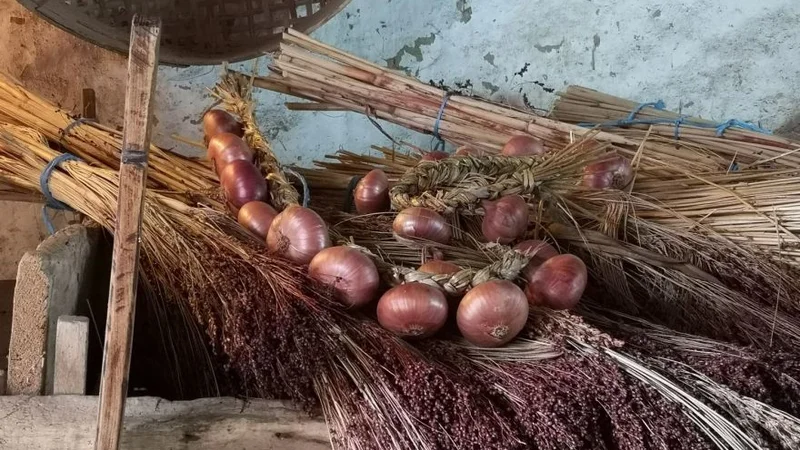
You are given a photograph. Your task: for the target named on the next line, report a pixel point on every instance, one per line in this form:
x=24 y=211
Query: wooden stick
x=71 y=358
x=142 y=66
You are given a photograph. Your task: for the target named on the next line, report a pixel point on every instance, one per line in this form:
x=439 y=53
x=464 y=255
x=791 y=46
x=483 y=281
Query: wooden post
x=71 y=358
x=142 y=65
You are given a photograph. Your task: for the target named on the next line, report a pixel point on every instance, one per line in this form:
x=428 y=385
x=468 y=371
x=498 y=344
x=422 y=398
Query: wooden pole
x=142 y=65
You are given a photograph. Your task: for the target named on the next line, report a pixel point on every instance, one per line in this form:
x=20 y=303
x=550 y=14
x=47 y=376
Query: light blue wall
x=720 y=59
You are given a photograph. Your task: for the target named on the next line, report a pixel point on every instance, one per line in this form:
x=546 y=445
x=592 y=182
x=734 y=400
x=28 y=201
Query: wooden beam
x=72 y=355
x=68 y=422
x=142 y=68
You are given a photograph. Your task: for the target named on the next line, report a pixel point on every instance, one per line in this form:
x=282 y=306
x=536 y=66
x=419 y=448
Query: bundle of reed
x=235 y=94
x=99 y=144
x=309 y=69
x=283 y=337
x=331 y=78
x=756 y=209
x=636 y=122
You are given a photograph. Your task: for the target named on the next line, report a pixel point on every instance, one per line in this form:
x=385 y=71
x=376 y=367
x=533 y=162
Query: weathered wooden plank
x=142 y=68
x=72 y=353
x=67 y=422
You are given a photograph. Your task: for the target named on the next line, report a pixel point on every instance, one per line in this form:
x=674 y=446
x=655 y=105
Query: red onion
x=439 y=268
x=217 y=121
x=257 y=217
x=423 y=223
x=435 y=155
x=466 y=150
x=492 y=313
x=242 y=183
x=558 y=283
x=540 y=251
x=611 y=173
x=372 y=193
x=224 y=148
x=523 y=145
x=505 y=219
x=298 y=233
x=413 y=310
x=352 y=275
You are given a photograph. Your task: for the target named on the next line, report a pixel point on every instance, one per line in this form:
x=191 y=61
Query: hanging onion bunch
x=372 y=193
x=558 y=283
x=217 y=121
x=298 y=233
x=505 y=219
x=350 y=273
x=492 y=313
x=523 y=145
x=422 y=223
x=413 y=310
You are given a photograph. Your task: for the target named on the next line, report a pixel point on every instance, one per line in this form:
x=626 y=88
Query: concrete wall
x=719 y=59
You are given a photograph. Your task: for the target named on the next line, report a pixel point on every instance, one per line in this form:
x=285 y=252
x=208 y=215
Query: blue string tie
x=440 y=144
x=655 y=105
x=631 y=119
x=44 y=186
x=75 y=122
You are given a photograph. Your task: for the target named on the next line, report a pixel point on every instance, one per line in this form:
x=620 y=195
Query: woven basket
x=194 y=31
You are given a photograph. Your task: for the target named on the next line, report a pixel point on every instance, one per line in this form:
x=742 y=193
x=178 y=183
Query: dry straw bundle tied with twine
x=260 y=313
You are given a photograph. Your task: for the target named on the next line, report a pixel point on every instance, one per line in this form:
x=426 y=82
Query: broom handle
x=142 y=65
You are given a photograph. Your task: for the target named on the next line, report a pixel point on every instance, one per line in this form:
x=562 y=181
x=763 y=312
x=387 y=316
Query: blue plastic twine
x=656 y=105
x=720 y=128
x=440 y=144
x=44 y=186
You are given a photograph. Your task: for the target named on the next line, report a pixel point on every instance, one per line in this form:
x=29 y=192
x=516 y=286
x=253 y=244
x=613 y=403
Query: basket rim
x=105 y=38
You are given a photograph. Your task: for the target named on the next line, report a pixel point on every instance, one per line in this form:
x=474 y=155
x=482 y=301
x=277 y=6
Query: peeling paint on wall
x=414 y=50
x=464 y=10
